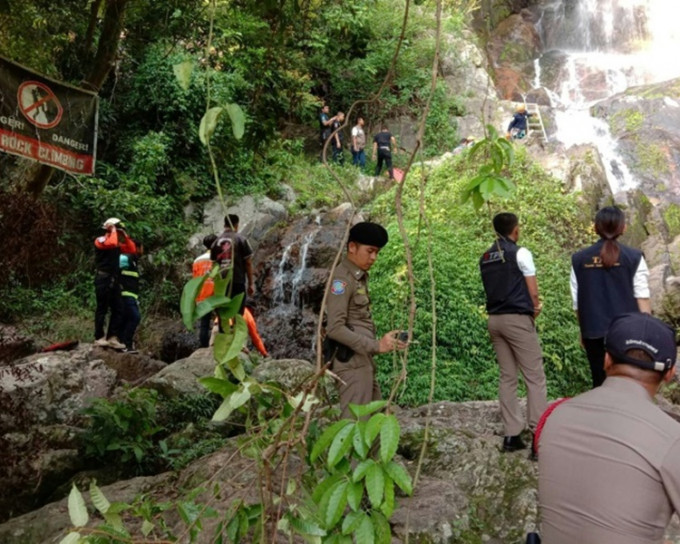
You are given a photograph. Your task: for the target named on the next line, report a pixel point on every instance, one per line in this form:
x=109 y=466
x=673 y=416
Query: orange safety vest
x=202 y=266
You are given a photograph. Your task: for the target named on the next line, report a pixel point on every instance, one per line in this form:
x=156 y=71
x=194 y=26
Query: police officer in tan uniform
x=349 y=322
x=609 y=459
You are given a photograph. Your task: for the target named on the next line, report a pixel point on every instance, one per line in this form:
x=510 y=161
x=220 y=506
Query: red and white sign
x=46 y=120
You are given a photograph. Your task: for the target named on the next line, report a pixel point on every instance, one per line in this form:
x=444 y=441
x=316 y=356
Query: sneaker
x=115 y=343
x=101 y=342
x=513 y=443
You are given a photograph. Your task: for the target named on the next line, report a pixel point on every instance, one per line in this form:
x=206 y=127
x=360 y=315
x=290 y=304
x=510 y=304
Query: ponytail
x=610 y=224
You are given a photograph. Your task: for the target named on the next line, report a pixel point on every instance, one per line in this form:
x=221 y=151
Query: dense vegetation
x=552 y=225
x=277 y=60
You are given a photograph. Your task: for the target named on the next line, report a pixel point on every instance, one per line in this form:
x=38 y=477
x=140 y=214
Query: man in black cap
x=609 y=459
x=349 y=322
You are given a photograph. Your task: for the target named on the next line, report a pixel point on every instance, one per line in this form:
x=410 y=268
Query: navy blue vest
x=604 y=293
x=504 y=284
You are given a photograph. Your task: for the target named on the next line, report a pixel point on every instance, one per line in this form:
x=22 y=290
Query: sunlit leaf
x=375 y=484
x=361 y=410
x=183 y=72
x=326 y=438
x=208 y=124
x=77 y=510
x=187 y=304
x=340 y=445
x=98 y=499
x=238 y=120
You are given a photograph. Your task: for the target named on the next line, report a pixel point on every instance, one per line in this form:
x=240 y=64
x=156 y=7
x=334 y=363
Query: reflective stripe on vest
x=130 y=273
x=129 y=294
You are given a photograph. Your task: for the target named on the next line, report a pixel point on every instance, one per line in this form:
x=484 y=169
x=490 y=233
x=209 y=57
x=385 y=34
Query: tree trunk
x=105 y=58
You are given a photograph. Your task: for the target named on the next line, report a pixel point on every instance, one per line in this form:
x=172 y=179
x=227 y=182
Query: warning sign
x=46 y=120
x=39 y=104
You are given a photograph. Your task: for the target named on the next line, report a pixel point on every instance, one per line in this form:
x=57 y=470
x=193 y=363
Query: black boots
x=513 y=443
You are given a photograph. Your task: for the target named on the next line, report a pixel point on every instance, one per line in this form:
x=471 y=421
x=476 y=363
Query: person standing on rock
x=232 y=251
x=609 y=459
x=383 y=143
x=107 y=250
x=358 y=144
x=512 y=302
x=607 y=279
x=349 y=322
x=129 y=283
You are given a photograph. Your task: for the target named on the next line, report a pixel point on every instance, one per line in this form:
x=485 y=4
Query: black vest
x=107 y=260
x=504 y=284
x=129 y=278
x=604 y=293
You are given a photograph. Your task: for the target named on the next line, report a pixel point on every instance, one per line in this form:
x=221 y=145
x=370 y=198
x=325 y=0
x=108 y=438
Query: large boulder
x=180 y=378
x=52 y=387
x=177 y=342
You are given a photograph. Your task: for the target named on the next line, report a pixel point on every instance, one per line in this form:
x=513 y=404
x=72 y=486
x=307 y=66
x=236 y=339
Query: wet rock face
x=291 y=270
x=511 y=48
x=646 y=124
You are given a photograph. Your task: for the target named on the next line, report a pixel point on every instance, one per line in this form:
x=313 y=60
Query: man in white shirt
x=358 y=144
x=512 y=302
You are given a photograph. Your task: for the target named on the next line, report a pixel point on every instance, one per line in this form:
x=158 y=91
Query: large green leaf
x=358 y=442
x=326 y=437
x=182 y=73
x=351 y=522
x=187 y=303
x=208 y=124
x=336 y=504
x=387 y=507
x=375 y=484
x=361 y=469
x=324 y=485
x=340 y=446
x=238 y=120
x=98 y=499
x=228 y=311
x=389 y=438
x=229 y=343
x=232 y=402
x=373 y=428
x=224 y=388
x=477 y=200
x=77 y=510
x=362 y=410
x=210 y=304
x=365 y=534
x=71 y=538
x=400 y=477
x=383 y=533
x=355 y=492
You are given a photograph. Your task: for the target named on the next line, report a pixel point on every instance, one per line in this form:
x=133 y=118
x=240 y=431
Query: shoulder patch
x=338 y=287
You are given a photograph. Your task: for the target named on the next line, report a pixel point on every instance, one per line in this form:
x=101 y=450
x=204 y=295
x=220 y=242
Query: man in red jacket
x=107 y=250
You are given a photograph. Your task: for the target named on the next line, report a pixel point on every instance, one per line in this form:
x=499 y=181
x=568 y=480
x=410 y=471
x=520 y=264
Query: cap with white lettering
x=643 y=332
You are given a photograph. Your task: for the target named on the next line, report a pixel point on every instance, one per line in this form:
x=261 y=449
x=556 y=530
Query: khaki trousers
x=517 y=349
x=360 y=386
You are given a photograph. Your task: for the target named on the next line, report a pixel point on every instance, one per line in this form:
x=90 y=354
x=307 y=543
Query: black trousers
x=595 y=353
x=107 y=293
x=384 y=157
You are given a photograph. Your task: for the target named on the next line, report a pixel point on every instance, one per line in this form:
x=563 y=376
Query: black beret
x=370 y=234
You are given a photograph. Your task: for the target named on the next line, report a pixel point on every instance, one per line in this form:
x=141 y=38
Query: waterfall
x=283 y=278
x=609 y=46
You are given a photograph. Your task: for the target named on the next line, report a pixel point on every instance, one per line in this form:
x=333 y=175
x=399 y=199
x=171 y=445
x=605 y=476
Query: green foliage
x=497 y=155
x=466 y=367
x=671 y=216
x=122 y=430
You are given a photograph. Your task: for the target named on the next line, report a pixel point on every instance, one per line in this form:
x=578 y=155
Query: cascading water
x=607 y=46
